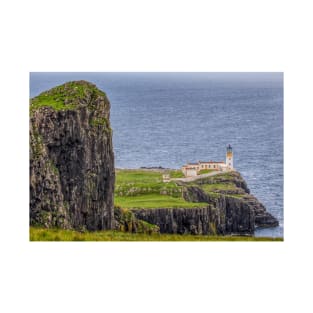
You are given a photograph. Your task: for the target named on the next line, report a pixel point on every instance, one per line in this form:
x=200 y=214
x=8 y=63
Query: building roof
x=202 y=162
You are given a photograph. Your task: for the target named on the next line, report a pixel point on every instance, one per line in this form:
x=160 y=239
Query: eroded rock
x=71 y=158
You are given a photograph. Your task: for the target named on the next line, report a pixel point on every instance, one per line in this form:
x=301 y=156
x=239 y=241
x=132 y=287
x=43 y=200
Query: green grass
x=43 y=234
x=140 y=188
x=99 y=122
x=130 y=190
x=176 y=174
x=217 y=195
x=218 y=186
x=155 y=201
x=206 y=171
x=142 y=182
x=64 y=97
x=226 y=175
x=137 y=176
x=145 y=189
x=238 y=196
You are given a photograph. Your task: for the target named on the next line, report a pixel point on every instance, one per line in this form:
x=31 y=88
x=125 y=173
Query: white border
x=155 y=36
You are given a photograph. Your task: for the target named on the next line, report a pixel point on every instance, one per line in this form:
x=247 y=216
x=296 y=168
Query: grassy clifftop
x=229 y=184
x=66 y=96
x=145 y=189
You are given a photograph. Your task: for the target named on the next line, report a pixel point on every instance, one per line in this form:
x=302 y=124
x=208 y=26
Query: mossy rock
x=127 y=222
x=67 y=96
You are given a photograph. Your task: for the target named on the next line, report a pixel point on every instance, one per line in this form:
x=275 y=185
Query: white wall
x=191 y=172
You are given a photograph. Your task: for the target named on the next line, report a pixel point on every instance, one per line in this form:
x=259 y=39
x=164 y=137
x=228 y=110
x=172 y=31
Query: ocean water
x=168 y=119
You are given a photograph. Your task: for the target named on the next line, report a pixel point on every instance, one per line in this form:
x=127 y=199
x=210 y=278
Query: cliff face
x=243 y=210
x=230 y=218
x=71 y=158
x=196 y=221
x=230 y=210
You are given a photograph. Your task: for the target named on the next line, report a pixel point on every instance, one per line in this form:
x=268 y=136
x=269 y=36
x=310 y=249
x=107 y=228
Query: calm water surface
x=168 y=119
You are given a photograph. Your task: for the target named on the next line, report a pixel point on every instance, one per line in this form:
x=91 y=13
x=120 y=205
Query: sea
x=169 y=119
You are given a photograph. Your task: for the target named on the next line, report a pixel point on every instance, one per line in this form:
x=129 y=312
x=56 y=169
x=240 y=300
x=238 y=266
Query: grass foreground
x=44 y=234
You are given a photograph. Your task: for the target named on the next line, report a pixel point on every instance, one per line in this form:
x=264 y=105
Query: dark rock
x=196 y=221
x=126 y=221
x=243 y=214
x=71 y=159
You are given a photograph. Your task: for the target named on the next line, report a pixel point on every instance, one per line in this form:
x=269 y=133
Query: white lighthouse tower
x=229 y=157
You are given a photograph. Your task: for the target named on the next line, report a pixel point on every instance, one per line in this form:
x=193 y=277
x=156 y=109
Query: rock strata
x=196 y=221
x=231 y=209
x=71 y=158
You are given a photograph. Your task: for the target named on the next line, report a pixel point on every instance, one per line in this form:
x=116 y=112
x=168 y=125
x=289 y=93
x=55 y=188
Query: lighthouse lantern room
x=229 y=157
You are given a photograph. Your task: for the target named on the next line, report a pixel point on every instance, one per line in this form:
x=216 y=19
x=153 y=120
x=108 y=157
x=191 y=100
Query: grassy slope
x=145 y=189
x=64 y=97
x=42 y=234
x=176 y=174
x=206 y=171
x=219 y=184
x=155 y=201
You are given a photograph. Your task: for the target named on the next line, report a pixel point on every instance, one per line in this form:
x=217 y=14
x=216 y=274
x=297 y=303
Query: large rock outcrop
x=71 y=158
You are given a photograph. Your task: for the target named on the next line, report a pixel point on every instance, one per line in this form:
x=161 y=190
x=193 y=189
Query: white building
x=189 y=170
x=193 y=169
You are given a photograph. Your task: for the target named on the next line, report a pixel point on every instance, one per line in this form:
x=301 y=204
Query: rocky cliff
x=195 y=221
x=230 y=193
x=230 y=218
x=71 y=158
x=231 y=209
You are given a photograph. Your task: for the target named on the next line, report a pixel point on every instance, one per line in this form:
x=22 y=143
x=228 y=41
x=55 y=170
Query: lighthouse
x=229 y=157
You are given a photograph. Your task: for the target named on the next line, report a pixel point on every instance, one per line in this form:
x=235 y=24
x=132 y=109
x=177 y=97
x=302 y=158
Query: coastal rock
x=126 y=221
x=243 y=210
x=71 y=158
x=232 y=218
x=232 y=210
x=196 y=221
